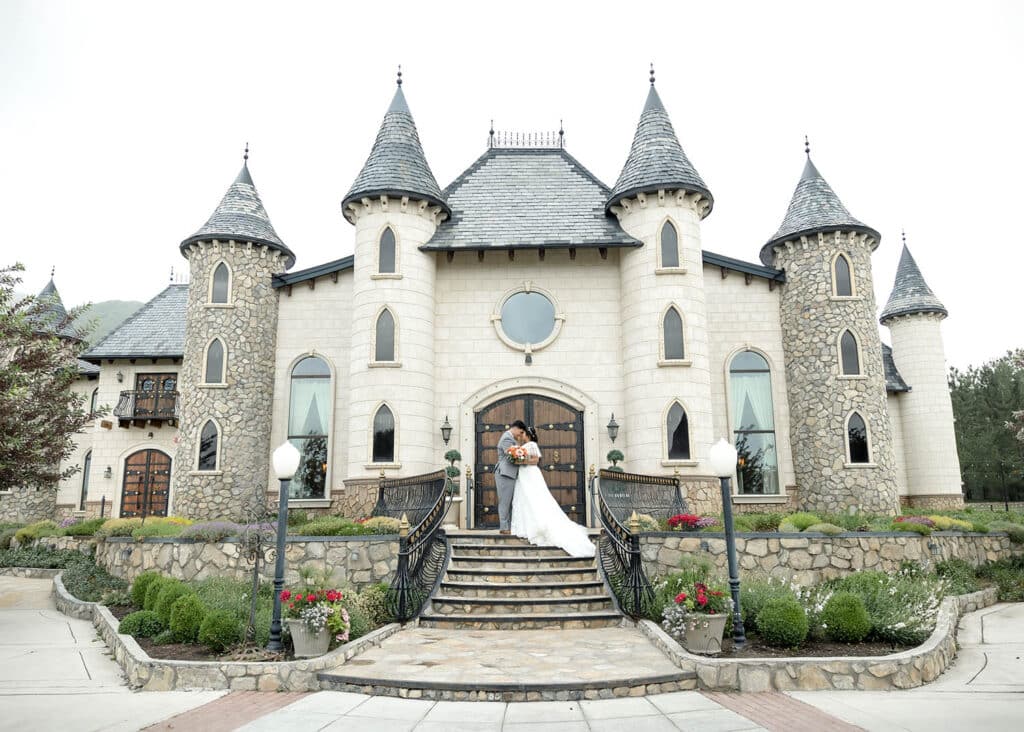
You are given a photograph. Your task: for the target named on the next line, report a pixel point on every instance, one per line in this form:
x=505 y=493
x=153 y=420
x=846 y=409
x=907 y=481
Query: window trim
x=527 y=287
x=853 y=280
x=846 y=442
x=661 y=268
x=217 y=455
x=230 y=302
x=395 y=461
x=396 y=362
x=666 y=457
x=860 y=356
x=330 y=418
x=223 y=366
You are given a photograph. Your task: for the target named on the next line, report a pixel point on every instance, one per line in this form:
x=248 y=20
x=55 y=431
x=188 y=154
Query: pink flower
x=681 y=597
x=286 y=594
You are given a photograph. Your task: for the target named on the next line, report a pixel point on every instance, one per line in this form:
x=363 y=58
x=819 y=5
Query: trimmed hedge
x=141 y=624
x=782 y=622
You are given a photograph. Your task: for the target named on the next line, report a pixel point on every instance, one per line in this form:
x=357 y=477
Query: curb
x=29 y=572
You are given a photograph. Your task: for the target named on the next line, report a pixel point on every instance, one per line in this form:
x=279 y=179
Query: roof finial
x=53 y=269
x=245 y=157
x=903 y=232
x=399 y=74
x=561 y=133
x=807 y=146
x=652 y=73
x=172 y=274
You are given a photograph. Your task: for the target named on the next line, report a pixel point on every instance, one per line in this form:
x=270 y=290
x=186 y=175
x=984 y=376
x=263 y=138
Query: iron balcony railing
x=148 y=405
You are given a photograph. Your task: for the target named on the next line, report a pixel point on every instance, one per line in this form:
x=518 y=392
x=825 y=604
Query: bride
x=537 y=517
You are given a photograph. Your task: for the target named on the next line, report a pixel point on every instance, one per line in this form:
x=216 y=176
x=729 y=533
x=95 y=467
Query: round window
x=528 y=317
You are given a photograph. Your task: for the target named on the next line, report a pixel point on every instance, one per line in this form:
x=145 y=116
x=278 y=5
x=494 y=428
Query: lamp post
x=286 y=462
x=723 y=462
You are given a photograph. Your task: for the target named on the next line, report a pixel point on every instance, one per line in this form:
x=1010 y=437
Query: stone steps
x=520 y=589
x=499 y=550
x=477 y=606
x=523 y=621
x=569 y=575
x=472 y=561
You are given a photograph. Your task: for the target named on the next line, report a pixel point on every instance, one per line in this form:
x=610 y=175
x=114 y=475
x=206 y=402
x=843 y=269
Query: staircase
x=498 y=582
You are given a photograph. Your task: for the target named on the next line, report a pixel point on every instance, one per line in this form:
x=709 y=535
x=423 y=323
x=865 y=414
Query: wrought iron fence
x=134 y=404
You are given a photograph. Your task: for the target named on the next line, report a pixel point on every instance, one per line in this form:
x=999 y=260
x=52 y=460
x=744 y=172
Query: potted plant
x=697 y=616
x=451 y=519
x=314 y=618
x=615 y=457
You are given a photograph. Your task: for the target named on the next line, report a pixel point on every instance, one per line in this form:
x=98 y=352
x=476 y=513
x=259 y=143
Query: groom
x=506 y=472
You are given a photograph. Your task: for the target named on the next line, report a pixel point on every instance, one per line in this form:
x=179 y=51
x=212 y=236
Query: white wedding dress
x=538 y=518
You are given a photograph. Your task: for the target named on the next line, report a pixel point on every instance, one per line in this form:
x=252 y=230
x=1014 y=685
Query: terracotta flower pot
x=308 y=643
x=708 y=639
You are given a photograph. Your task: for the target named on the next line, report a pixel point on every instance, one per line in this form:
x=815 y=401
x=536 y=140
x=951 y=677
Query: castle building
x=525 y=289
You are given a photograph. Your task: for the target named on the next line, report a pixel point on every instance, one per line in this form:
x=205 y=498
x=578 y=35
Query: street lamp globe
x=286 y=461
x=722 y=458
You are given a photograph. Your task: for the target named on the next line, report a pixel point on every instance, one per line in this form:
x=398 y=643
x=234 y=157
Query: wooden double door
x=560 y=438
x=147 y=484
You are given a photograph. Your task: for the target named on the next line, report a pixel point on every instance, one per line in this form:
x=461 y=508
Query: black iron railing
x=422 y=545
x=148 y=405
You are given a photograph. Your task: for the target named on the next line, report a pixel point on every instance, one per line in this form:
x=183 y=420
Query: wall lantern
x=119 y=376
x=613 y=428
x=108 y=472
x=446 y=430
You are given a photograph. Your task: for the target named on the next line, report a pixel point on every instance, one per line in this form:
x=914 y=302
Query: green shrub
x=140 y=585
x=153 y=592
x=296 y=518
x=845 y=618
x=168 y=596
x=911 y=527
x=116 y=598
x=142 y=624
x=826 y=529
x=782 y=622
x=359 y=621
x=382 y=525
x=766 y=521
x=118 y=527
x=331 y=526
x=742 y=522
x=87 y=581
x=219 y=630
x=1008 y=575
x=692 y=569
x=84 y=528
x=154 y=529
x=28 y=534
x=187 y=614
x=755 y=592
x=849 y=521
x=374 y=601
x=903 y=606
x=5 y=538
x=163 y=638
x=232 y=596
x=1012 y=530
x=801 y=520
x=787 y=528
x=959 y=574
x=42 y=557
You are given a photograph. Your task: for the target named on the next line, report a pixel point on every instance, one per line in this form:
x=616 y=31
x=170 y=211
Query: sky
x=123 y=123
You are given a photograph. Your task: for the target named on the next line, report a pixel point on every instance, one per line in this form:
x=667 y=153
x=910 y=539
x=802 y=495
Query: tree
x=39 y=413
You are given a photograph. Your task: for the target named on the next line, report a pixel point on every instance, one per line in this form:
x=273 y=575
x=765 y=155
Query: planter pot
x=308 y=643
x=709 y=639
x=453 y=519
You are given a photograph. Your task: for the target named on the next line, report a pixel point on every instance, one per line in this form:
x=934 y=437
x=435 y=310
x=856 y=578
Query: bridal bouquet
x=517 y=454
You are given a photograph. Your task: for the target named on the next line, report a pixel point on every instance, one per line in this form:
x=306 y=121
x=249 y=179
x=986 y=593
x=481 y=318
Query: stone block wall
x=937 y=502
x=26 y=504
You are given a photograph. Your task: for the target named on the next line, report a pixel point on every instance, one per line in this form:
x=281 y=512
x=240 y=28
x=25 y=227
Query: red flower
x=702 y=600
x=285 y=594
x=681 y=597
x=298 y=598
x=716 y=593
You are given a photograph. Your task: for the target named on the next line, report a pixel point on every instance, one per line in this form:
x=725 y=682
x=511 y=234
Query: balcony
x=141 y=408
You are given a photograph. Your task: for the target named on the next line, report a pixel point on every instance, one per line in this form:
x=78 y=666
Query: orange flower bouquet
x=517 y=454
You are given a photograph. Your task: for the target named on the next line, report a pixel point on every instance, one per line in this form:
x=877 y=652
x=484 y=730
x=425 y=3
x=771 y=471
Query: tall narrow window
x=678 y=432
x=673 y=327
x=384 y=349
x=669 y=245
x=848 y=354
x=209 y=440
x=220 y=288
x=215 y=362
x=841 y=277
x=94 y=400
x=857 y=439
x=86 y=467
x=384 y=435
x=386 y=258
x=311 y=404
x=753 y=424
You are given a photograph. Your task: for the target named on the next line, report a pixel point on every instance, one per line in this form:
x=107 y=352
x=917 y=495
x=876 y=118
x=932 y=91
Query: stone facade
x=821 y=398
x=937 y=502
x=247 y=326
x=25 y=505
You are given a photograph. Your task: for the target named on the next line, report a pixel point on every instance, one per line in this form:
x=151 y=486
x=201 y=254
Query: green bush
x=140 y=585
x=911 y=527
x=692 y=569
x=163 y=638
x=782 y=622
x=787 y=528
x=168 y=596
x=89 y=582
x=42 y=557
x=826 y=529
x=1014 y=531
x=801 y=520
x=219 y=630
x=359 y=621
x=959 y=574
x=845 y=618
x=153 y=592
x=84 y=528
x=187 y=614
x=331 y=526
x=296 y=518
x=39 y=529
x=154 y=529
x=142 y=624
x=755 y=592
x=382 y=525
x=742 y=522
x=903 y=606
x=118 y=527
x=232 y=596
x=766 y=521
x=374 y=600
x=1008 y=575
x=5 y=538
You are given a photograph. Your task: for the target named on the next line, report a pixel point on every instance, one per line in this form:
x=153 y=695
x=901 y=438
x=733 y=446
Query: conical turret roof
x=54 y=318
x=656 y=159
x=814 y=208
x=910 y=293
x=397 y=165
x=241 y=216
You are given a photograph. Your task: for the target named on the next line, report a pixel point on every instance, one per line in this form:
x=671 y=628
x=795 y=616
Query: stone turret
x=232 y=259
x=660 y=199
x=914 y=315
x=818 y=238
x=396 y=206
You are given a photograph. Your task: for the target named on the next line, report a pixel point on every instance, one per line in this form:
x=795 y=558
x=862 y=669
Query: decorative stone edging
x=154 y=674
x=903 y=670
x=29 y=572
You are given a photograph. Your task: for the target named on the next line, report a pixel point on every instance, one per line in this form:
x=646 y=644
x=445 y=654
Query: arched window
x=849 y=355
x=673 y=329
x=209 y=443
x=669 y=245
x=214 y=373
x=308 y=414
x=842 y=279
x=858 y=450
x=94 y=400
x=386 y=256
x=753 y=424
x=86 y=467
x=384 y=343
x=384 y=435
x=220 y=284
x=678 y=433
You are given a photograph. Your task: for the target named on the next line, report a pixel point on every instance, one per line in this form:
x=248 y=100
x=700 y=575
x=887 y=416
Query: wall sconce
x=613 y=428
x=934 y=548
x=446 y=430
x=704 y=545
x=108 y=472
x=119 y=376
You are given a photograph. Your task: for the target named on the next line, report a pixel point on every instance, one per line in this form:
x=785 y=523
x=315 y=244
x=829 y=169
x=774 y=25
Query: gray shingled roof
x=527 y=198
x=397 y=165
x=156 y=330
x=656 y=160
x=814 y=208
x=893 y=380
x=54 y=316
x=241 y=216
x=87 y=369
x=910 y=293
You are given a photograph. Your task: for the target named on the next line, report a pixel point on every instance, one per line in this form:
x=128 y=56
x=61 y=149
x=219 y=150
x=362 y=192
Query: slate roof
x=156 y=330
x=893 y=381
x=397 y=165
x=656 y=160
x=55 y=316
x=87 y=369
x=241 y=216
x=814 y=208
x=910 y=293
x=527 y=198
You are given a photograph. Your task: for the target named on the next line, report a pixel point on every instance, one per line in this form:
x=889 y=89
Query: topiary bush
x=826 y=529
x=782 y=622
x=170 y=593
x=141 y=624
x=187 y=615
x=219 y=630
x=802 y=520
x=84 y=528
x=845 y=618
x=153 y=592
x=140 y=585
x=757 y=591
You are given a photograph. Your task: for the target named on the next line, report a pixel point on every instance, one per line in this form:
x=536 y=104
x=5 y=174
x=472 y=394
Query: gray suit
x=505 y=474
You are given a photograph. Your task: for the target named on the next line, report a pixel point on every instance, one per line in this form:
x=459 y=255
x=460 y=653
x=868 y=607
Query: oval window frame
x=528 y=288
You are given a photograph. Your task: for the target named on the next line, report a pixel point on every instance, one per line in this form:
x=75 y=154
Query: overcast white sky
x=123 y=123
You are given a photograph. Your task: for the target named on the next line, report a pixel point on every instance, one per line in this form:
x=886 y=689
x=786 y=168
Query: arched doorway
x=147 y=484
x=560 y=436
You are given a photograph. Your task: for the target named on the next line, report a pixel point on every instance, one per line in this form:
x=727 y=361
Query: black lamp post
x=286 y=461
x=723 y=462
x=613 y=428
x=446 y=430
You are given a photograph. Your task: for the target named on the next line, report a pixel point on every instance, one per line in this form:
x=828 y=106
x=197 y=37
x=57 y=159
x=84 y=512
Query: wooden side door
x=147 y=482
x=154 y=396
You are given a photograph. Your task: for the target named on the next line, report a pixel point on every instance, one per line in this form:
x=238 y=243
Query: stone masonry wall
x=247 y=325
x=820 y=397
x=26 y=505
